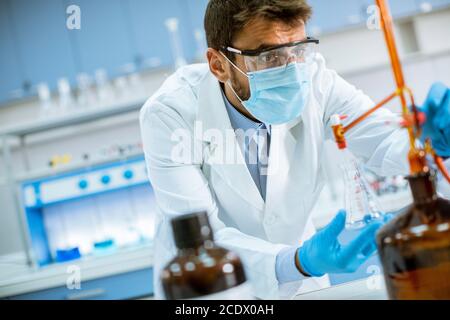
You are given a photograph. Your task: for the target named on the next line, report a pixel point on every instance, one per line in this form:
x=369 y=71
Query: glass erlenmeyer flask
x=360 y=200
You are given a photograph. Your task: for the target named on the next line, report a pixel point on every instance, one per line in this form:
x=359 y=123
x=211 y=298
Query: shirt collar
x=238 y=120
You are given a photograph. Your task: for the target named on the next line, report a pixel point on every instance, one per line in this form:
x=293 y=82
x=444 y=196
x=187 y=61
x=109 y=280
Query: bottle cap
x=191 y=230
x=335 y=120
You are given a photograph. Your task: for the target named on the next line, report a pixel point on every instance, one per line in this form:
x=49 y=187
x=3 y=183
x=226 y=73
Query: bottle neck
x=423 y=187
x=195 y=249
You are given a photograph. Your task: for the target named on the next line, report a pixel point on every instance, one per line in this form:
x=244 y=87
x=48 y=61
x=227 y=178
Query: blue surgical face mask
x=277 y=95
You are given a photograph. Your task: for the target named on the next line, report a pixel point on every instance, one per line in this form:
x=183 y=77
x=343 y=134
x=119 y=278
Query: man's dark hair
x=224 y=19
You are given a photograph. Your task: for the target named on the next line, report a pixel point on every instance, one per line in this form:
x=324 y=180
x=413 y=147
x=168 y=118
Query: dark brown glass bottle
x=415 y=246
x=201 y=269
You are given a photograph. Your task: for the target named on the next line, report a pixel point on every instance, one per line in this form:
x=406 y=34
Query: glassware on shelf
x=86 y=94
x=134 y=80
x=360 y=200
x=177 y=49
x=122 y=88
x=105 y=91
x=45 y=99
x=65 y=95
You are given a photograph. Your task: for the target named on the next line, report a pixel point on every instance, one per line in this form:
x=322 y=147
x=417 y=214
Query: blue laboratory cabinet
x=150 y=34
x=44 y=50
x=104 y=202
x=403 y=8
x=399 y=8
x=10 y=70
x=333 y=15
x=104 y=210
x=129 y=285
x=36 y=45
x=436 y=4
x=103 y=41
x=196 y=11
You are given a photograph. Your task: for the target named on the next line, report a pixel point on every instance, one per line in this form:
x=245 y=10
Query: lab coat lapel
x=223 y=150
x=282 y=151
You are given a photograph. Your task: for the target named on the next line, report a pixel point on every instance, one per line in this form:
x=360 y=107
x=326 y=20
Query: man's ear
x=218 y=65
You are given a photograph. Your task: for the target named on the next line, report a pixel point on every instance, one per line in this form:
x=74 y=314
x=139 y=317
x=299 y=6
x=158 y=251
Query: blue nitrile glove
x=324 y=254
x=437 y=125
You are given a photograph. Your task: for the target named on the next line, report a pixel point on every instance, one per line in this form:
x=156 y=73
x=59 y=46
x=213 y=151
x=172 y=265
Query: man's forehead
x=263 y=33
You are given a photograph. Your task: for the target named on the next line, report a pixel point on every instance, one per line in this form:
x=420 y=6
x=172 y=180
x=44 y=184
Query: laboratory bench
x=127 y=274
x=371 y=288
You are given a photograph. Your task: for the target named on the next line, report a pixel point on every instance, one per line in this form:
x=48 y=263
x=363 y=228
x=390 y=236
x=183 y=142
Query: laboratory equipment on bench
x=59 y=160
x=59 y=227
x=103 y=243
x=98 y=210
x=387 y=185
x=360 y=200
x=414 y=247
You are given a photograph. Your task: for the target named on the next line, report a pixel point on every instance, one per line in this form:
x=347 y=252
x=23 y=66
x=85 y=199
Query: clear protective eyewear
x=277 y=56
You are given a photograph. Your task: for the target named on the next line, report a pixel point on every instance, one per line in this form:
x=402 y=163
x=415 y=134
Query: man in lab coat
x=243 y=137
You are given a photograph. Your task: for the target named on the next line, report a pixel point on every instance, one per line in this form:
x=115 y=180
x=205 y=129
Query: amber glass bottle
x=201 y=269
x=415 y=246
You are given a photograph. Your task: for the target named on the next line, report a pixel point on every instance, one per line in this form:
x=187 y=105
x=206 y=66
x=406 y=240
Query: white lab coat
x=242 y=221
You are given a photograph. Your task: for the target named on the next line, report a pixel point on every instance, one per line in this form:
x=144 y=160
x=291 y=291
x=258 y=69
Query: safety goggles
x=277 y=56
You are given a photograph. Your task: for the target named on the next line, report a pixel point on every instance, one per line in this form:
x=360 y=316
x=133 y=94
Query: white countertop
x=17 y=279
x=372 y=288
